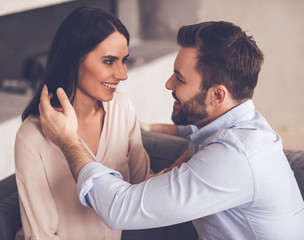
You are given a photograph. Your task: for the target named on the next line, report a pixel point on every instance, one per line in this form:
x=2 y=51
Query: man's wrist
x=76 y=154
x=68 y=140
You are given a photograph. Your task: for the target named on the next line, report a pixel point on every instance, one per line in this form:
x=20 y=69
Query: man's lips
x=177 y=103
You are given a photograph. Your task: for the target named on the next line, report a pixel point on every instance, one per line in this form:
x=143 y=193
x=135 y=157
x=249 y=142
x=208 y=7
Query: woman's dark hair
x=78 y=34
x=226 y=56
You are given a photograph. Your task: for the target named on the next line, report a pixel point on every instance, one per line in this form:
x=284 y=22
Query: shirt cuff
x=185 y=131
x=88 y=173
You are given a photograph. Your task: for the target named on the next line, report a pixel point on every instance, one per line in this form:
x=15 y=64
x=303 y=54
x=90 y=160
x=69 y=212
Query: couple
x=228 y=187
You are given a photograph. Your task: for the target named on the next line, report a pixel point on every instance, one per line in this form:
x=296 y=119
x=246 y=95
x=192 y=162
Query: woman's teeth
x=109 y=85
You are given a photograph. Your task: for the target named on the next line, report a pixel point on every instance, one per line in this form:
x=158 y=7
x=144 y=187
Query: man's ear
x=219 y=94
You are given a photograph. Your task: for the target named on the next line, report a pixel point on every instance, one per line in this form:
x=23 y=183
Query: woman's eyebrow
x=110 y=56
x=114 y=57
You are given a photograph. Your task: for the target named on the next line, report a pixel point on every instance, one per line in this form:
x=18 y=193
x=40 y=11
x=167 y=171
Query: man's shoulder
x=246 y=139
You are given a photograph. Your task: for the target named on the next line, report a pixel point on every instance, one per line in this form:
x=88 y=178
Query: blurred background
x=27 y=28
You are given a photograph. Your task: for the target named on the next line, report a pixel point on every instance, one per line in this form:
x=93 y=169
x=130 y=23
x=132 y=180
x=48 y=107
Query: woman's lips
x=110 y=86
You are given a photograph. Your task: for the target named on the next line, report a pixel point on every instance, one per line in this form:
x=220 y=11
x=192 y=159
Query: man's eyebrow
x=178 y=73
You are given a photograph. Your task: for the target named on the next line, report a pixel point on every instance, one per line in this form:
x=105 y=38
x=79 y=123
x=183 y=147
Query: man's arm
x=61 y=128
x=76 y=155
x=195 y=189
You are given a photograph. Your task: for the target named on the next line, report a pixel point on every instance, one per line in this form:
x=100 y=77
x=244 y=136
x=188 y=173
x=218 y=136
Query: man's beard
x=192 y=112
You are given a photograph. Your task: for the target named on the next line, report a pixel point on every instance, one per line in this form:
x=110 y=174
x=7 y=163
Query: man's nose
x=169 y=83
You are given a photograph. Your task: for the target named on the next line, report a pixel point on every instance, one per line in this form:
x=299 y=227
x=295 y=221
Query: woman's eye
x=109 y=62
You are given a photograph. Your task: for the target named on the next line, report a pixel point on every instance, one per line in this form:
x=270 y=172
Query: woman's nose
x=121 y=73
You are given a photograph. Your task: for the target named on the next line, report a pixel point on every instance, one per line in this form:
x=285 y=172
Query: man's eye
x=124 y=61
x=179 y=79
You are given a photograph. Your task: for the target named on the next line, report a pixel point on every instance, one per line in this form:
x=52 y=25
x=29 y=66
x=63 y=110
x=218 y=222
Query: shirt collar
x=225 y=121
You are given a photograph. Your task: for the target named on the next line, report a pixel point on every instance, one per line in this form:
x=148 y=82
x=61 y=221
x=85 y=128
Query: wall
x=278 y=28
x=161 y=19
x=26 y=35
x=14 y=6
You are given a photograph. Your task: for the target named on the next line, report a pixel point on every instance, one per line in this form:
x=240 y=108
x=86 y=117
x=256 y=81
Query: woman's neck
x=90 y=115
x=86 y=108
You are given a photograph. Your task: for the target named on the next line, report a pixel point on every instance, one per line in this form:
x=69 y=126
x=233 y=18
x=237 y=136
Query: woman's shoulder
x=30 y=129
x=122 y=102
x=120 y=97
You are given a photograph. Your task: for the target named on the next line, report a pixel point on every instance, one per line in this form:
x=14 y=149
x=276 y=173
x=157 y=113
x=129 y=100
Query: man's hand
x=59 y=126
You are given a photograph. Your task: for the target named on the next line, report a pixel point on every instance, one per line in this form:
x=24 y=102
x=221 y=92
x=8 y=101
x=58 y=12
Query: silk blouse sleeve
x=38 y=211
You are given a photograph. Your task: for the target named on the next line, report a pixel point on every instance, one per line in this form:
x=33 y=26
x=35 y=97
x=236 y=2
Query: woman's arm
x=170 y=129
x=182 y=159
x=38 y=211
x=139 y=162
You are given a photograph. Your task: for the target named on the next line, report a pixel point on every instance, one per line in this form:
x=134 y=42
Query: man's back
x=245 y=167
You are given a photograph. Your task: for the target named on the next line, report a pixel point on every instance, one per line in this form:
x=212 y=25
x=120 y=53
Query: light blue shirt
x=238 y=185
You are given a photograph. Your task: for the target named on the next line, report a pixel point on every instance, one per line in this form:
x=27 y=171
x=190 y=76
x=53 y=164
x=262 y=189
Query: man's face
x=190 y=100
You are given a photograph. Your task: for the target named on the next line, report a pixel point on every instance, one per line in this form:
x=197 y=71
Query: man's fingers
x=44 y=100
x=64 y=100
x=50 y=96
x=58 y=109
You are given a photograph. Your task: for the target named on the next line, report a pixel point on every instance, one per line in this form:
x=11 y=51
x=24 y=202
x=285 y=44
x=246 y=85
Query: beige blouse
x=49 y=205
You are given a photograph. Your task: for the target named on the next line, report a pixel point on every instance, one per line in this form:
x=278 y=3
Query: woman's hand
x=183 y=158
x=170 y=129
x=145 y=126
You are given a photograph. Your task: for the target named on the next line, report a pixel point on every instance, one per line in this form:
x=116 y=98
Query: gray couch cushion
x=163 y=149
x=10 y=221
x=296 y=161
x=8 y=186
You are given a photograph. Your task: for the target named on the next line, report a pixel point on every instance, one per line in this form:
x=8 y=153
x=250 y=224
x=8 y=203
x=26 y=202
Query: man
x=238 y=183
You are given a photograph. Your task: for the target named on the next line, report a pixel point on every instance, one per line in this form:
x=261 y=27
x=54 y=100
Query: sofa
x=163 y=151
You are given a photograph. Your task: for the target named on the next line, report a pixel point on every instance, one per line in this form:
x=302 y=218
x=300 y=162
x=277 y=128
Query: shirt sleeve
x=38 y=211
x=86 y=179
x=139 y=163
x=214 y=179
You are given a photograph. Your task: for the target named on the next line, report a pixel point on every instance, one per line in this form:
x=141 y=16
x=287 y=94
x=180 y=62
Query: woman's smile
x=110 y=86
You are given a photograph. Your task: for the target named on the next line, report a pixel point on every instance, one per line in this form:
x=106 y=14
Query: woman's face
x=102 y=69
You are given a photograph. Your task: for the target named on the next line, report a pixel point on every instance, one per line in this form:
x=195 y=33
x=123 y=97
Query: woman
x=87 y=59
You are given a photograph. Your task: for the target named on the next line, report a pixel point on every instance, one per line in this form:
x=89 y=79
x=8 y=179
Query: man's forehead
x=186 y=57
